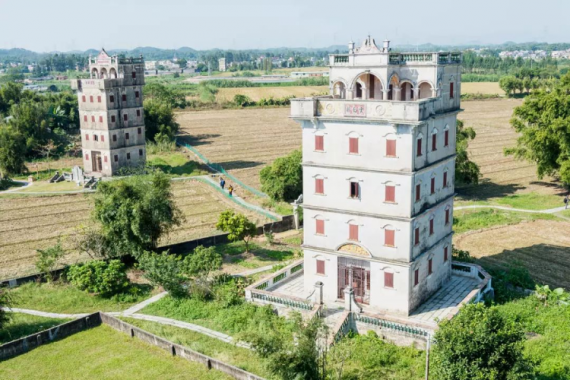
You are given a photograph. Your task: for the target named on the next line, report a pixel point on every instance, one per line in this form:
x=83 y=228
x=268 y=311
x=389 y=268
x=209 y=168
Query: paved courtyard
x=437 y=307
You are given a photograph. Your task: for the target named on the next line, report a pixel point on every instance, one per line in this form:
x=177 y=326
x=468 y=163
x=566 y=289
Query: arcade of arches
x=368 y=86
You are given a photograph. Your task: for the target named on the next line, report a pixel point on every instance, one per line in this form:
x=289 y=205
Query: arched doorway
x=94 y=74
x=113 y=73
x=426 y=91
x=368 y=86
x=103 y=73
x=339 y=90
x=407 y=91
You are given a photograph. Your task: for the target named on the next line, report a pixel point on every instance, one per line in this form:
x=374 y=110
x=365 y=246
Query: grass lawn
x=21 y=325
x=64 y=298
x=176 y=164
x=44 y=186
x=476 y=219
x=548 y=335
x=103 y=353
x=226 y=352
x=528 y=201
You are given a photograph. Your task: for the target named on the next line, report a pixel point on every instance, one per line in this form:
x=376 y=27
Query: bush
x=48 y=260
x=101 y=277
x=237 y=226
x=164 y=270
x=283 y=180
x=461 y=255
x=202 y=261
x=6 y=183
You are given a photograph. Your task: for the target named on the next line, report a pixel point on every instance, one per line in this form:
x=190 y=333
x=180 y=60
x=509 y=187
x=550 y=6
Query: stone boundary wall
x=287 y=223
x=25 y=344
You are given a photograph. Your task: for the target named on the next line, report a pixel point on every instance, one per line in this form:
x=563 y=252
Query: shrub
x=202 y=261
x=461 y=255
x=237 y=226
x=48 y=260
x=4 y=302
x=104 y=278
x=164 y=270
x=480 y=343
x=283 y=180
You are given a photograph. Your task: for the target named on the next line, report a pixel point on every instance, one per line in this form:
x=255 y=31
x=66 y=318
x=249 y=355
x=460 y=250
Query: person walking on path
x=222 y=182
x=231 y=190
x=566 y=201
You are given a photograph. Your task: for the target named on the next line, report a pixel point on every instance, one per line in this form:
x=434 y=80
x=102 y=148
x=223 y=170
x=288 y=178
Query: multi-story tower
x=111 y=114
x=378 y=175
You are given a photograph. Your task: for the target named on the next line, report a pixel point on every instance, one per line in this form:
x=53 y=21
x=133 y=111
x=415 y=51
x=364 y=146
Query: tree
x=159 y=121
x=508 y=84
x=543 y=122
x=479 y=343
x=237 y=226
x=46 y=151
x=48 y=260
x=135 y=212
x=466 y=171
x=164 y=270
x=202 y=261
x=283 y=180
x=12 y=151
x=182 y=62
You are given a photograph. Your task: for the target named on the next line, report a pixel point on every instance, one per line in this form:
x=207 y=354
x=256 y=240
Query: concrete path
x=26 y=184
x=139 y=306
x=43 y=313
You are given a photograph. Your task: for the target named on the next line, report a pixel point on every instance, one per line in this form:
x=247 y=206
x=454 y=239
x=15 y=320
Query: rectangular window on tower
x=85 y=118
x=320 y=266
x=113 y=119
x=87 y=157
x=353 y=145
x=389 y=237
x=95 y=138
x=388 y=280
x=91 y=98
x=446 y=138
x=417 y=236
x=98 y=99
x=128 y=156
x=102 y=138
x=100 y=119
x=86 y=137
x=111 y=99
x=444 y=179
x=139 y=131
x=354 y=190
x=124 y=97
x=140 y=152
x=390 y=194
x=430 y=266
x=446 y=217
x=92 y=118
x=83 y=98
x=319 y=186
x=137 y=94
x=391 y=148
x=432 y=186
x=434 y=142
x=134 y=74
x=353 y=232
x=104 y=158
x=431 y=227
x=419 y=147
x=126 y=117
x=138 y=113
x=126 y=136
x=418 y=192
x=114 y=137
x=320 y=143
x=416 y=277
x=320 y=226
x=451 y=92
x=445 y=254
x=116 y=158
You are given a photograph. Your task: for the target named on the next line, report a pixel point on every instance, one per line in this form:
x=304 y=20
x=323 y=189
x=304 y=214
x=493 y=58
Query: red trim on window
x=353 y=232
x=320 y=267
x=320 y=226
x=319 y=186
x=353 y=145
x=390 y=194
x=388 y=280
x=391 y=148
x=320 y=143
x=389 y=237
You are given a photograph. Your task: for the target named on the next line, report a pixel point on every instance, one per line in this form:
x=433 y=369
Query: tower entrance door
x=97 y=163
x=355 y=273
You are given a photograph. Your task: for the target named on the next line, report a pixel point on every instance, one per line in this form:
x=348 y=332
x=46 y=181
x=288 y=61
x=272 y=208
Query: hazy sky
x=48 y=25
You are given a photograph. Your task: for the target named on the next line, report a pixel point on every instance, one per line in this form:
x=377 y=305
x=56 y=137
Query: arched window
x=419 y=145
x=446 y=136
x=434 y=139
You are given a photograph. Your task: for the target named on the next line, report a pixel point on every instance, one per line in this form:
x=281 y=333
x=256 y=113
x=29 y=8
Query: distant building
x=111 y=114
x=308 y=74
x=222 y=64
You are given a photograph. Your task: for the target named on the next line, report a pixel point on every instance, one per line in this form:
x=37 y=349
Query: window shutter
x=353 y=145
x=433 y=185
x=444 y=179
x=391 y=148
x=388 y=280
x=419 y=147
x=319 y=186
x=353 y=232
x=320 y=266
x=418 y=192
x=85 y=118
x=105 y=159
x=320 y=226
x=91 y=99
x=416 y=277
x=319 y=143
x=451 y=94
x=87 y=156
x=83 y=99
x=389 y=238
x=434 y=142
x=431 y=227
x=445 y=254
x=92 y=118
x=430 y=266
x=447 y=216
x=446 y=138
x=417 y=236
x=100 y=119
x=390 y=194
x=98 y=99
x=86 y=137
x=354 y=190
x=102 y=138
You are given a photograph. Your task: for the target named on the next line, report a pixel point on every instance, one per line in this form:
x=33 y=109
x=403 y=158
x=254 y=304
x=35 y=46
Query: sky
x=65 y=25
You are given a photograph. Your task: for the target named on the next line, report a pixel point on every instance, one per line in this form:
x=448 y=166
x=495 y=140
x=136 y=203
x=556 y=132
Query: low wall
x=23 y=345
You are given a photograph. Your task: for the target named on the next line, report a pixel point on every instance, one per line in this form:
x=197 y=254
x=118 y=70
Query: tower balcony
x=328 y=107
x=384 y=59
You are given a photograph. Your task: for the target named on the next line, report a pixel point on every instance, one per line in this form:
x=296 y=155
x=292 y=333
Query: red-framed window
x=390 y=193
x=446 y=216
x=100 y=119
x=418 y=192
x=91 y=98
x=391 y=148
x=320 y=143
x=83 y=99
x=388 y=280
x=354 y=190
x=446 y=138
x=86 y=137
x=319 y=186
x=431 y=226
x=320 y=226
x=389 y=238
x=416 y=277
x=430 y=266
x=432 y=186
x=434 y=142
x=445 y=254
x=116 y=158
x=353 y=145
x=87 y=156
x=98 y=99
x=419 y=147
x=320 y=266
x=353 y=232
x=444 y=179
x=417 y=236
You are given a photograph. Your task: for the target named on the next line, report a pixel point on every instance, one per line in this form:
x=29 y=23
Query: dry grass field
x=485 y=88
x=257 y=93
x=243 y=141
x=542 y=246
x=29 y=223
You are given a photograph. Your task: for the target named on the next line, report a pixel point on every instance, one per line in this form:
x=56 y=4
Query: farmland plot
x=257 y=93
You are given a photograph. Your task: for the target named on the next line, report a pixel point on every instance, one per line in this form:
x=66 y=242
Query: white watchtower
x=378 y=174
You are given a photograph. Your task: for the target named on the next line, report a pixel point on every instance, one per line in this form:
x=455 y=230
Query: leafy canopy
x=135 y=212
x=101 y=277
x=283 y=180
x=466 y=171
x=543 y=122
x=237 y=226
x=480 y=344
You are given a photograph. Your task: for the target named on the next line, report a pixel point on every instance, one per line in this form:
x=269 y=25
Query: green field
x=102 y=353
x=21 y=325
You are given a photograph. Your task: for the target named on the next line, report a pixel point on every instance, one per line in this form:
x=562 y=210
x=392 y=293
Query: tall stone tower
x=111 y=114
x=378 y=175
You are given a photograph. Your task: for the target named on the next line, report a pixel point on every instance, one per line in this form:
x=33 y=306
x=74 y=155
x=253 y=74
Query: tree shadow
x=486 y=190
x=19 y=330
x=239 y=164
x=196 y=140
x=188 y=168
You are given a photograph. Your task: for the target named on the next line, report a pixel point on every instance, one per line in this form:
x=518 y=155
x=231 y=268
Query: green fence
x=218 y=168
